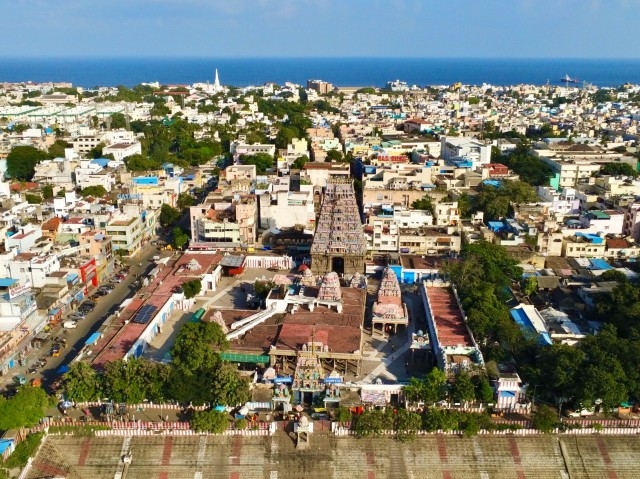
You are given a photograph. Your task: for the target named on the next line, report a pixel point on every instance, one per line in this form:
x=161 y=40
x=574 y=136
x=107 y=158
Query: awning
x=41 y=336
x=92 y=339
x=244 y=358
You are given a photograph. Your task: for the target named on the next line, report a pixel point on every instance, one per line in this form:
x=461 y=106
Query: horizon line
x=321 y=57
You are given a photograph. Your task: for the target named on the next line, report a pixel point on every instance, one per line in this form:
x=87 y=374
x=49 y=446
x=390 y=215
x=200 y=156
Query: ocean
x=89 y=72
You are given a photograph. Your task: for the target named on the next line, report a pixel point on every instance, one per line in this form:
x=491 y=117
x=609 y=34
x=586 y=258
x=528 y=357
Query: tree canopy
x=168 y=215
x=191 y=288
x=495 y=202
x=25 y=409
x=22 y=160
x=263 y=161
x=179 y=238
x=96 y=190
x=617 y=169
x=531 y=169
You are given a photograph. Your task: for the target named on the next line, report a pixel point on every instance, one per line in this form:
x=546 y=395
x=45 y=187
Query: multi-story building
x=569 y=173
x=19 y=322
x=120 y=151
x=470 y=149
x=322 y=87
x=126 y=233
x=222 y=222
x=285 y=209
x=583 y=245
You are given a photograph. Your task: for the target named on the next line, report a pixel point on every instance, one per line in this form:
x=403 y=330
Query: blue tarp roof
x=599 y=263
x=92 y=339
x=62 y=369
x=521 y=319
x=101 y=161
x=7 y=282
x=506 y=394
x=5 y=444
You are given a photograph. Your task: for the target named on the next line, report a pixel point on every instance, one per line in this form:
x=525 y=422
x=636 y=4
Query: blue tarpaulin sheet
x=92 y=339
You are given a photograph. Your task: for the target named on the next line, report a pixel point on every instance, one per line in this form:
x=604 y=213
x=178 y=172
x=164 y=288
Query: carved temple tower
x=339 y=243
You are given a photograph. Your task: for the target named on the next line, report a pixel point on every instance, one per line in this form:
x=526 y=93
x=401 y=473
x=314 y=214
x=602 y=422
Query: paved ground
x=482 y=457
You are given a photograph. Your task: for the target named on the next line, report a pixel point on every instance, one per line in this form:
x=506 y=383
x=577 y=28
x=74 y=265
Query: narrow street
x=77 y=337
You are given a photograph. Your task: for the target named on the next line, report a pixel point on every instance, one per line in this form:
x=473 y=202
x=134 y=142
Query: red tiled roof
x=52 y=225
x=451 y=328
x=617 y=243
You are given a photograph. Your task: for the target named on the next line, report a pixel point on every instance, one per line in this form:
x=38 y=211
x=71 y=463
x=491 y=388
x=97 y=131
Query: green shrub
x=24 y=450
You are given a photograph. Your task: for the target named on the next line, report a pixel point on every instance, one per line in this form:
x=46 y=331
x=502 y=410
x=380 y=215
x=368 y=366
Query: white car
x=70 y=324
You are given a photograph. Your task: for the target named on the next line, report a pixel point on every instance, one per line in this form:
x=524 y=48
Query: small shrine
x=358 y=281
x=388 y=310
x=303 y=429
x=308 y=376
x=330 y=288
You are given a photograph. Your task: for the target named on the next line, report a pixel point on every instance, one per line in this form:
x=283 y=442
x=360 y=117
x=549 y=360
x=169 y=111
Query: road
x=77 y=337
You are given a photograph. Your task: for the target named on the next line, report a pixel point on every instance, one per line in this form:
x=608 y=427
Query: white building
x=120 y=151
x=460 y=148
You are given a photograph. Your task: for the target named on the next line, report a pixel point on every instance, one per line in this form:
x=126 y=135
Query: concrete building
x=126 y=233
x=321 y=87
x=224 y=222
x=285 y=209
x=583 y=245
x=455 y=148
x=120 y=151
x=19 y=322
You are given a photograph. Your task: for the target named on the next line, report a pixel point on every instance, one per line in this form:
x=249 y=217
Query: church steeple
x=216 y=83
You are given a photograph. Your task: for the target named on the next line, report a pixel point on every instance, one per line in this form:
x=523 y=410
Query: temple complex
x=388 y=310
x=339 y=243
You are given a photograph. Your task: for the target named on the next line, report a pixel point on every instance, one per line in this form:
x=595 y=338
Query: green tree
x=184 y=201
x=22 y=160
x=463 y=389
x=25 y=409
x=97 y=191
x=484 y=392
x=374 y=422
x=335 y=156
x=82 y=383
x=229 y=387
x=530 y=285
x=33 y=199
x=123 y=382
x=544 y=419
x=407 y=424
x=168 y=215
x=118 y=121
x=285 y=135
x=210 y=421
x=191 y=288
x=425 y=203
x=300 y=162
x=619 y=168
x=47 y=191
x=263 y=161
x=194 y=351
x=141 y=163
x=56 y=150
x=342 y=414
x=179 y=238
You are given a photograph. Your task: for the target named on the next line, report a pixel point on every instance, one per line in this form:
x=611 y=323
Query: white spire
x=216 y=83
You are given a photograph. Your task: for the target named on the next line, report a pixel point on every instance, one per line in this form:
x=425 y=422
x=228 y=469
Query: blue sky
x=329 y=28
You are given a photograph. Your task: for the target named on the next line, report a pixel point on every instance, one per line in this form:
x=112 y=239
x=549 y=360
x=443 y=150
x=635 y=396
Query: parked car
x=70 y=324
x=77 y=316
x=115 y=279
x=21 y=380
x=86 y=307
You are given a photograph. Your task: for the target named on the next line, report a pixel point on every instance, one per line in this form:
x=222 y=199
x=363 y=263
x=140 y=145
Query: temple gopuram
x=388 y=311
x=339 y=244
